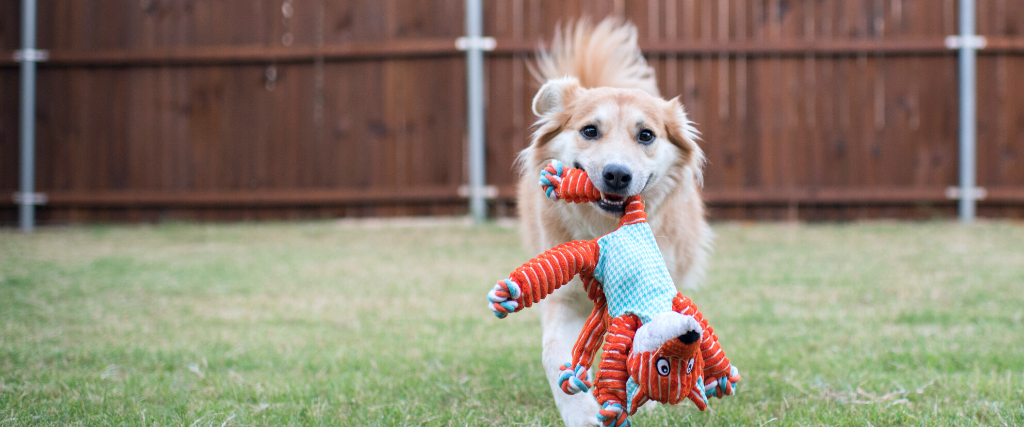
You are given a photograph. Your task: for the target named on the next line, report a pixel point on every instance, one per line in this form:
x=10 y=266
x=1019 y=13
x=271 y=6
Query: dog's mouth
x=612 y=203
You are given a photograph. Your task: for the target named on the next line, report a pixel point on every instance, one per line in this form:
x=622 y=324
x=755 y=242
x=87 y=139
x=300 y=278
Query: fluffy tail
x=603 y=55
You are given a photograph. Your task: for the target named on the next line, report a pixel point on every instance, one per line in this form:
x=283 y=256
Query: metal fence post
x=969 y=43
x=475 y=108
x=28 y=56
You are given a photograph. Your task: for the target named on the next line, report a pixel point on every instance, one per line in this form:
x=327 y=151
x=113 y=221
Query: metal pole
x=968 y=119
x=475 y=94
x=28 y=107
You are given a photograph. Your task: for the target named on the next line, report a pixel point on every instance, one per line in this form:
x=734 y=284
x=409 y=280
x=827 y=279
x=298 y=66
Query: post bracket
x=490 y=191
x=31 y=55
x=956 y=193
x=485 y=44
x=29 y=199
x=966 y=42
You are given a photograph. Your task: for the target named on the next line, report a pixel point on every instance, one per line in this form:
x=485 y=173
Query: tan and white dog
x=599 y=110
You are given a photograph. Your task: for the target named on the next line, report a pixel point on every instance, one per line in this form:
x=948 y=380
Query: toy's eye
x=689 y=366
x=589 y=131
x=645 y=136
x=663 y=368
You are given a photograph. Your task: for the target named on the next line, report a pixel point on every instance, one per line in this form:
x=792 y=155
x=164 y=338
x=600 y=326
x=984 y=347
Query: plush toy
x=657 y=344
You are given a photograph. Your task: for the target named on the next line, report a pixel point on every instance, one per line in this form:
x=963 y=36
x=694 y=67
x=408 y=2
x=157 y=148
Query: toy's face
x=670 y=373
x=665 y=361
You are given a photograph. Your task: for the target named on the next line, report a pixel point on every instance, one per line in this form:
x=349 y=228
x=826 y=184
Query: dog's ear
x=682 y=134
x=554 y=95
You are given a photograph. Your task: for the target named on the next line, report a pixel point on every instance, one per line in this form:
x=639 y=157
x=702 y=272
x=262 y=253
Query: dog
x=599 y=109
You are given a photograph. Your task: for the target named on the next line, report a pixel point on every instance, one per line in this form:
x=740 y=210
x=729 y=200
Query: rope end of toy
x=574 y=380
x=551 y=179
x=723 y=386
x=503 y=296
x=612 y=415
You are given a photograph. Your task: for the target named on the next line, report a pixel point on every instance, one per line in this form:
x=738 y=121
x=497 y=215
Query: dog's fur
x=595 y=75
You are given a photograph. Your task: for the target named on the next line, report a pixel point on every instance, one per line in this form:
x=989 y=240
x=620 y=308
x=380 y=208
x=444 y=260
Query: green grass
x=323 y=324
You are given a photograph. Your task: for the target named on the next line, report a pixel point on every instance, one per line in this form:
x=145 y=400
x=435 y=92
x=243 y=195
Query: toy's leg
x=612 y=376
x=720 y=376
x=562 y=317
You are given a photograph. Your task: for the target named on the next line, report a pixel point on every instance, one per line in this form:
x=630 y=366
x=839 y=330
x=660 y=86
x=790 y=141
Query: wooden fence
x=233 y=109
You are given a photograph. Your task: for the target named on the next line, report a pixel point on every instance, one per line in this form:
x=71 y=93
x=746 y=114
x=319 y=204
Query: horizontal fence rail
x=330 y=197
x=402 y=49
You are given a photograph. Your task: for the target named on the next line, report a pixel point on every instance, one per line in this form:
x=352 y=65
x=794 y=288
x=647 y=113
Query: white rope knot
x=573 y=380
x=502 y=298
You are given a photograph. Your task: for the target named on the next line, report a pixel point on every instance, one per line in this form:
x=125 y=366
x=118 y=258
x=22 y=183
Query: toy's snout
x=690 y=337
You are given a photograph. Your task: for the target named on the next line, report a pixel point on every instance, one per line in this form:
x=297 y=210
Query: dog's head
x=628 y=141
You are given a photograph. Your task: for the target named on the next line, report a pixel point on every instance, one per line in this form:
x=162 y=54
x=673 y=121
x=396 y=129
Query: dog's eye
x=663 y=368
x=589 y=131
x=689 y=366
x=645 y=136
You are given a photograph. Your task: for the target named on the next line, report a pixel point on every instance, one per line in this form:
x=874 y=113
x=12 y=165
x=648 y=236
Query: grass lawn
x=338 y=324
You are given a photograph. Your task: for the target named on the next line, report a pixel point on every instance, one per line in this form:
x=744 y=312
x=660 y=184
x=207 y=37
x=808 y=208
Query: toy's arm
x=573 y=185
x=612 y=372
x=569 y=184
x=719 y=375
x=542 y=275
x=574 y=376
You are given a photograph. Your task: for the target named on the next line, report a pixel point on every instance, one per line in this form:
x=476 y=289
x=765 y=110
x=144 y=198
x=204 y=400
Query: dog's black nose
x=616 y=177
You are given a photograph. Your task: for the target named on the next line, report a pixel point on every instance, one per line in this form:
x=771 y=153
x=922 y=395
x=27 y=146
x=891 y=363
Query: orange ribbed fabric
x=590 y=338
x=554 y=268
x=612 y=372
x=716 y=364
x=634 y=213
x=576 y=186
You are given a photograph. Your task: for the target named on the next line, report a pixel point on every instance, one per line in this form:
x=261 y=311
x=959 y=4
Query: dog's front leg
x=563 y=315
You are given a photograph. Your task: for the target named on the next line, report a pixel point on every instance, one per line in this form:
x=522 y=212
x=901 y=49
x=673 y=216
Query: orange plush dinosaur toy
x=657 y=344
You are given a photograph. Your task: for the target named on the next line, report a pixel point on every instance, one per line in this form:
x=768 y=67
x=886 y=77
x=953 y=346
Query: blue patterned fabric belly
x=633 y=273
